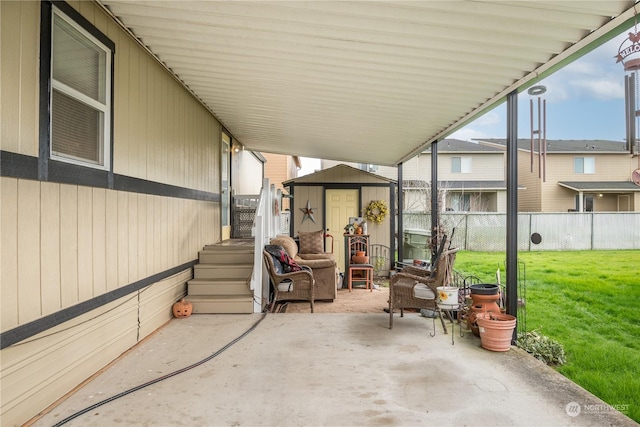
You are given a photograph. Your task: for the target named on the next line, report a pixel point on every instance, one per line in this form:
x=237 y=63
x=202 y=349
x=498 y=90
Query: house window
x=461 y=165
x=81 y=96
x=460 y=202
x=584 y=165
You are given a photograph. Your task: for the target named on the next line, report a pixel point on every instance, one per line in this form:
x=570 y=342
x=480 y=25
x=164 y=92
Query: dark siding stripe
x=20 y=166
x=136 y=185
x=45 y=90
x=68 y=173
x=30 y=329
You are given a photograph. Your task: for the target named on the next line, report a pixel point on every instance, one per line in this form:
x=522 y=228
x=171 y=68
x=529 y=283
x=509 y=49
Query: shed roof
x=341 y=173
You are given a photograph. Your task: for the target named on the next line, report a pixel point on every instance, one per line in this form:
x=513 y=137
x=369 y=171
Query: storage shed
x=327 y=199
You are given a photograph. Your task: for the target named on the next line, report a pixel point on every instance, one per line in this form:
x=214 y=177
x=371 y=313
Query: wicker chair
x=404 y=285
x=294 y=286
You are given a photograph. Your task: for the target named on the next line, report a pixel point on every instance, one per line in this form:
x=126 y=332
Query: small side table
x=449 y=311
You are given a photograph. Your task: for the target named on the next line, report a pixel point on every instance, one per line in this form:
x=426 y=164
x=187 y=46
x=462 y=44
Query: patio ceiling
x=369 y=82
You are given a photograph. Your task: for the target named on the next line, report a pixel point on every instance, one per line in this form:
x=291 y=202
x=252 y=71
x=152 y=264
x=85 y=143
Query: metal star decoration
x=308 y=213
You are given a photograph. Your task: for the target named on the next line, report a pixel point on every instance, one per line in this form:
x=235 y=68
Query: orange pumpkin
x=182 y=309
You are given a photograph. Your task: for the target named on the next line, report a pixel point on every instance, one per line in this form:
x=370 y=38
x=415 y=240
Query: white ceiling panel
x=368 y=82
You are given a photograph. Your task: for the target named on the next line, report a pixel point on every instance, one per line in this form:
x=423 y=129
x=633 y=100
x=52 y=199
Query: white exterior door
x=340 y=205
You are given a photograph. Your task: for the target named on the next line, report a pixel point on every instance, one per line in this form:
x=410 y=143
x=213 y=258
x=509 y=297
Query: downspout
x=435 y=224
x=512 y=206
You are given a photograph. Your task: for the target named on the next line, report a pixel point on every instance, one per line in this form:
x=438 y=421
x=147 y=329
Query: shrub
x=542 y=347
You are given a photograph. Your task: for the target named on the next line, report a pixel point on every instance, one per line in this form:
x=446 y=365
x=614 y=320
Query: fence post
x=592 y=231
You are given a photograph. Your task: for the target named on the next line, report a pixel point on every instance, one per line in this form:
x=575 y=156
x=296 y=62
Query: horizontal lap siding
x=34 y=372
x=39 y=371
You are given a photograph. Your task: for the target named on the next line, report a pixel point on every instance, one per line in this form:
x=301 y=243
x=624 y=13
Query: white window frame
x=104 y=108
x=584 y=165
x=465 y=164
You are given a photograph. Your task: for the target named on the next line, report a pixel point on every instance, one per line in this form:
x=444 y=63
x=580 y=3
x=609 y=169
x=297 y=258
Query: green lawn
x=589 y=301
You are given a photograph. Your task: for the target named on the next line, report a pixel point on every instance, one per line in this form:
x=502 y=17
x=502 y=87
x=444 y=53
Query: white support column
x=580 y=201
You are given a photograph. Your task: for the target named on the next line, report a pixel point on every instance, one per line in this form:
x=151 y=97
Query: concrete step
x=227 y=257
x=217 y=287
x=214 y=271
x=228 y=304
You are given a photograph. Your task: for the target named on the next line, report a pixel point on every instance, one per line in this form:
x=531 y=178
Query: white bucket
x=285 y=287
x=447 y=296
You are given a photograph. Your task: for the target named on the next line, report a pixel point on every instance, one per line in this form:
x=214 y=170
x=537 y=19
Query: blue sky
x=585 y=100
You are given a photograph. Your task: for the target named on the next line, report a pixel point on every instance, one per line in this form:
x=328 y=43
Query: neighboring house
x=280 y=168
x=105 y=203
x=575 y=176
x=471 y=177
x=247 y=170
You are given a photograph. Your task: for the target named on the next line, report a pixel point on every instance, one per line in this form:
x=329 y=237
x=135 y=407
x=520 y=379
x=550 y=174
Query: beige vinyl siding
x=560 y=167
x=314 y=194
x=64 y=244
x=161 y=133
x=529 y=199
x=19 y=44
x=484 y=167
x=71 y=243
x=379 y=233
x=63 y=357
x=34 y=373
x=8 y=251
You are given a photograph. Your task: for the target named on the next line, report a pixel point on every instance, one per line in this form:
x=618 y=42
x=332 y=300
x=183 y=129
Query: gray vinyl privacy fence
x=558 y=231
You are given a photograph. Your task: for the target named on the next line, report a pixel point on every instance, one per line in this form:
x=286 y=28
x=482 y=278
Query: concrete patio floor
x=328 y=370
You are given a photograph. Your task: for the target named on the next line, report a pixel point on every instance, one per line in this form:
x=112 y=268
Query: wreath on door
x=376 y=211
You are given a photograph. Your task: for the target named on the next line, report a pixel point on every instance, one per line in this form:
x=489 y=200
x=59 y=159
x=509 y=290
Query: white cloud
x=467 y=134
x=600 y=89
x=489 y=119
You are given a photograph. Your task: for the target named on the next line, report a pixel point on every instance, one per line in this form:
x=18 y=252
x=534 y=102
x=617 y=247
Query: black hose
x=162 y=378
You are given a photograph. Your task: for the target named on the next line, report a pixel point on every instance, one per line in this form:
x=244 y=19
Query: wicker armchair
x=416 y=287
x=294 y=286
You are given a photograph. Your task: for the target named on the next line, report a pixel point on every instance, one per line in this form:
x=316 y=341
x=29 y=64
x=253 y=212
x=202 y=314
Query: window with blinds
x=81 y=95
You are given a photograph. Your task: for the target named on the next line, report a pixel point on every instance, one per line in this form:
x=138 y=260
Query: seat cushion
x=422 y=291
x=312 y=243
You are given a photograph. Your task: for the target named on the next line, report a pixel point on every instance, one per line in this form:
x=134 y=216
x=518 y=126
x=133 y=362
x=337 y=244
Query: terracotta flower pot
x=496 y=330
x=362 y=259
